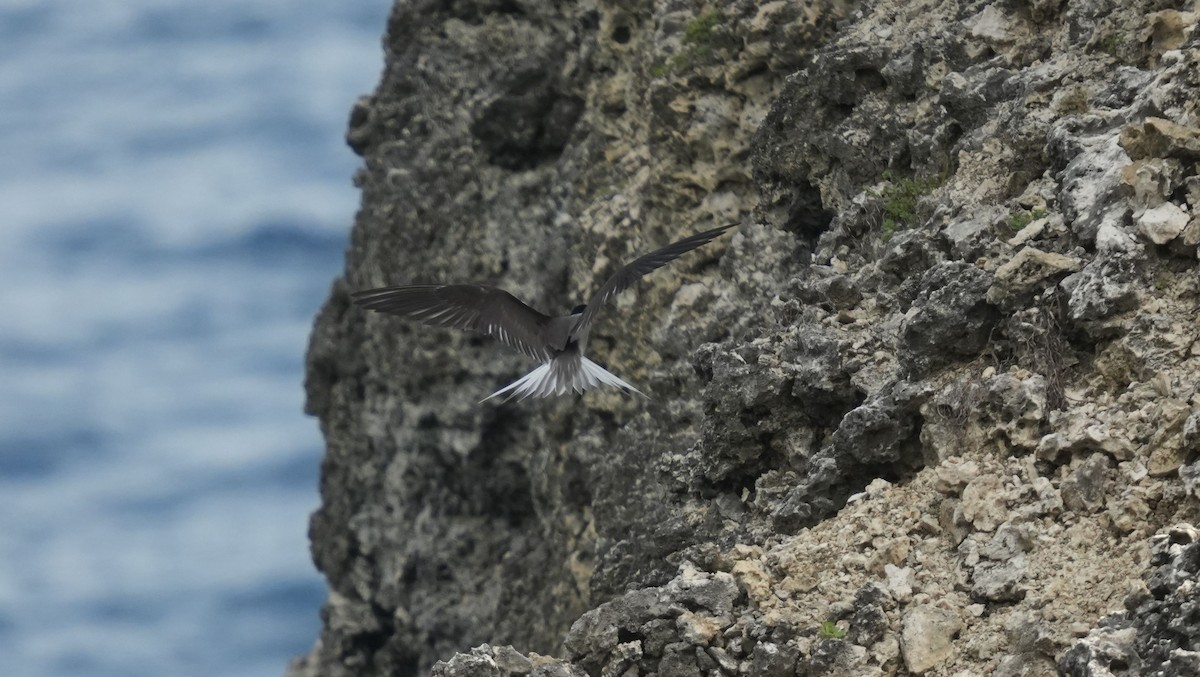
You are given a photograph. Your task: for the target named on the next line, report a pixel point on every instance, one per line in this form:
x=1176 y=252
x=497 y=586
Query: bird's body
x=557 y=342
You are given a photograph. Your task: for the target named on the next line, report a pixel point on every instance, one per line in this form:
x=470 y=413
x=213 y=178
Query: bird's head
x=578 y=309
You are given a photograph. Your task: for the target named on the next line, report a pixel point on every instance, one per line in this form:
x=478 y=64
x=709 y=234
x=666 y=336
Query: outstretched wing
x=623 y=278
x=472 y=307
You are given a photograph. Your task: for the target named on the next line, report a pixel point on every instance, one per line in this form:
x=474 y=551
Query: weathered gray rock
x=870 y=621
x=1085 y=489
x=511 y=661
x=1103 y=288
x=1032 y=644
x=837 y=658
x=1018 y=407
x=502 y=661
x=1010 y=541
x=949 y=318
x=1000 y=582
x=1159 y=631
x=998 y=562
x=1090 y=179
x=670 y=620
x=773 y=660
x=478 y=663
x=1106 y=648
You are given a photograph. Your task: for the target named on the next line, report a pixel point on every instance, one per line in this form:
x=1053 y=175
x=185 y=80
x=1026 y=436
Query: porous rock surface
x=931 y=409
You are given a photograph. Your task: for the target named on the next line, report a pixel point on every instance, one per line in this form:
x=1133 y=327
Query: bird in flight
x=557 y=342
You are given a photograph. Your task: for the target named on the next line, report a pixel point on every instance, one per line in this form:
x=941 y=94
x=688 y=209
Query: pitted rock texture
x=1158 y=633
x=920 y=414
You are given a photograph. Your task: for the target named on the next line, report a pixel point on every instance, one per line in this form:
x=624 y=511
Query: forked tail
x=561 y=376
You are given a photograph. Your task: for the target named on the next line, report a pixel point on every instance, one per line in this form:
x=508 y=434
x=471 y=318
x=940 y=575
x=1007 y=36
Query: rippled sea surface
x=175 y=199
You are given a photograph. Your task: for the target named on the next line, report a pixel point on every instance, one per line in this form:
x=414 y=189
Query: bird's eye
x=578 y=309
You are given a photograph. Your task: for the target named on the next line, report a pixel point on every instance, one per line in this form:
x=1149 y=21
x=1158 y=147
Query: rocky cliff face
x=925 y=412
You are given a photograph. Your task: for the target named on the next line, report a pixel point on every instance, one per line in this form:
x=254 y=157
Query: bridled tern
x=557 y=342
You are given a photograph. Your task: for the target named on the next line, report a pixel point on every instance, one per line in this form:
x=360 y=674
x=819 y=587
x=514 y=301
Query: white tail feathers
x=561 y=376
x=597 y=375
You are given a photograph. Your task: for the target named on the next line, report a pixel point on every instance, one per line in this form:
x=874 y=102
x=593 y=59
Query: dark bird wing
x=472 y=307
x=623 y=278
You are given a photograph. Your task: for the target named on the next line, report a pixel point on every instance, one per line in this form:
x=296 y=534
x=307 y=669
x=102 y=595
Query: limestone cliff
x=924 y=413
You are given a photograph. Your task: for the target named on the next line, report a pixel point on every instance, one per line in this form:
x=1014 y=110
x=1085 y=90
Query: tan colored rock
x=985 y=503
x=1078 y=432
x=1025 y=272
x=893 y=550
x=1168 y=30
x=696 y=628
x=1151 y=181
x=1157 y=137
x=1190 y=237
x=1166 y=448
x=1128 y=511
x=752 y=577
x=927 y=636
x=766 y=16
x=954 y=475
x=1191 y=185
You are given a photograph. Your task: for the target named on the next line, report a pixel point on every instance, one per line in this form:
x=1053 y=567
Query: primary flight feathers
x=557 y=342
x=473 y=307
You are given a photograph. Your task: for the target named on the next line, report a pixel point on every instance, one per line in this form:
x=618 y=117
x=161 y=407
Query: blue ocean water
x=175 y=198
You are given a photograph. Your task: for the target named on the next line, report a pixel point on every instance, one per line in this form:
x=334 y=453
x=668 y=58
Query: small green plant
x=699 y=30
x=1112 y=44
x=1018 y=220
x=830 y=630
x=900 y=198
x=697 y=40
